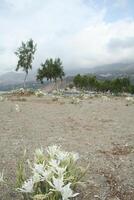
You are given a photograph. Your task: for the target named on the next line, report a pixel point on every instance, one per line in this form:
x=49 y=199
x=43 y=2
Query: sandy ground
x=91 y=128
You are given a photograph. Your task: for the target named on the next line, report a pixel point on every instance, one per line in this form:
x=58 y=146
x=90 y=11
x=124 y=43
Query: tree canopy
x=91 y=83
x=51 y=70
x=25 y=54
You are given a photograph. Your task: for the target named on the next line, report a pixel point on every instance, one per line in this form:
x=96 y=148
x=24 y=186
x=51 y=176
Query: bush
x=71 y=85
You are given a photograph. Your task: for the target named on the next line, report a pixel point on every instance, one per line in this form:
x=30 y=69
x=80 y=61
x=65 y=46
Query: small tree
x=78 y=81
x=58 y=70
x=51 y=70
x=25 y=54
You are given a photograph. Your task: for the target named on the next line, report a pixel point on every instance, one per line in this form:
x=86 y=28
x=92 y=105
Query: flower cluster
x=53 y=175
x=130 y=99
x=1 y=177
x=1 y=98
x=17 y=108
x=75 y=100
x=39 y=93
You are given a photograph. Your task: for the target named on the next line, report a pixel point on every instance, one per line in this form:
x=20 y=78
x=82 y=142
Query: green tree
x=91 y=83
x=78 y=81
x=58 y=71
x=51 y=70
x=25 y=54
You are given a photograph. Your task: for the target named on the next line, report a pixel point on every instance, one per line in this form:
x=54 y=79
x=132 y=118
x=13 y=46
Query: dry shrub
x=21 y=92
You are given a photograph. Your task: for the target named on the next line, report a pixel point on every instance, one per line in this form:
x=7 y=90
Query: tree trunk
x=57 y=86
x=24 y=84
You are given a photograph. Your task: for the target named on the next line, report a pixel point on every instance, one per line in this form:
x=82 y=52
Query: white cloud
x=73 y=30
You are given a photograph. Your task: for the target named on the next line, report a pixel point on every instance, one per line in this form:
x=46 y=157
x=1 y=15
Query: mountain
x=116 y=69
x=14 y=80
x=16 y=77
x=119 y=68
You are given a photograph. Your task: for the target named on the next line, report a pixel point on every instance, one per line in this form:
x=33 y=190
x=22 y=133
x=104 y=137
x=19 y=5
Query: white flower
x=57 y=183
x=67 y=192
x=130 y=99
x=61 y=155
x=39 y=93
x=22 y=90
x=75 y=100
x=53 y=150
x=54 y=163
x=1 y=98
x=38 y=168
x=55 y=167
x=2 y=176
x=40 y=173
x=42 y=177
x=27 y=187
x=105 y=98
x=74 y=156
x=17 y=108
x=59 y=171
x=36 y=178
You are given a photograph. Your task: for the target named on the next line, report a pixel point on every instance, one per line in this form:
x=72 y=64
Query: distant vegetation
x=117 y=85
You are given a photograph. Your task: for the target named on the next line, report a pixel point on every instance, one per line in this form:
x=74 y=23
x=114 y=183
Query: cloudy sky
x=83 y=33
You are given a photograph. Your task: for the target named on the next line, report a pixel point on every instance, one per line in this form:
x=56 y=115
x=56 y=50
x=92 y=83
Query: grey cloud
x=2 y=50
x=117 y=43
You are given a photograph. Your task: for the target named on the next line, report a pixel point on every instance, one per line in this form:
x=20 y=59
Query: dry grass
x=119 y=150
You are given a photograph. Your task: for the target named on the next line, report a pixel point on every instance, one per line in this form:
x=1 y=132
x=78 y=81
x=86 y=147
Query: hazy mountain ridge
x=115 y=68
x=12 y=79
x=16 y=77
